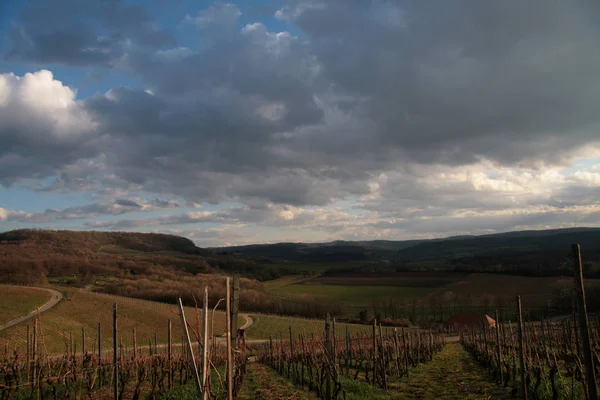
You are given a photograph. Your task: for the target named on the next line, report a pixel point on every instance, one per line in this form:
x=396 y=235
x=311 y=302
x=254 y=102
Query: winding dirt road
x=56 y=298
x=248 y=323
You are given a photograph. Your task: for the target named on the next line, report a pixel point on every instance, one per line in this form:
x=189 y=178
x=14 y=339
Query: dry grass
x=16 y=301
x=85 y=309
x=265 y=326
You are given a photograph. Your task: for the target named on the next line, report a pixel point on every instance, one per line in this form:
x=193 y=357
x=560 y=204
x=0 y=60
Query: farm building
x=467 y=321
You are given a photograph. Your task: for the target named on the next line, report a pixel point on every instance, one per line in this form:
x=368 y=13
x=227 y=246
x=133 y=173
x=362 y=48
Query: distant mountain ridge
x=527 y=241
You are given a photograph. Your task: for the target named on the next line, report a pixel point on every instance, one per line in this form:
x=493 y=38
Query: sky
x=299 y=120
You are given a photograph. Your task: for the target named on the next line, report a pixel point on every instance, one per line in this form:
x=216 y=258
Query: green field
x=81 y=308
x=363 y=288
x=355 y=295
x=16 y=301
x=306 y=267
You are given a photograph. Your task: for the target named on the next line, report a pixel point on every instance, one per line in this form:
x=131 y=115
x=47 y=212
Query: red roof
x=462 y=321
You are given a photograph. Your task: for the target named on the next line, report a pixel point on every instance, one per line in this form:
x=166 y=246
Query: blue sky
x=298 y=120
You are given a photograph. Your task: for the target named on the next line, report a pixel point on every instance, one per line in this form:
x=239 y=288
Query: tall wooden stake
x=28 y=353
x=189 y=346
x=498 y=354
x=584 y=323
x=205 y=347
x=34 y=354
x=115 y=359
x=83 y=340
x=521 y=350
x=328 y=352
x=235 y=307
x=134 y=343
x=229 y=356
x=374 y=352
x=169 y=354
x=382 y=361
x=99 y=346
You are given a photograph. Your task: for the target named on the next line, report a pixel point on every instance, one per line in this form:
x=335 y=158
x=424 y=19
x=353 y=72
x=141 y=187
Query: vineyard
x=207 y=358
x=319 y=363
x=541 y=359
x=553 y=365
x=127 y=369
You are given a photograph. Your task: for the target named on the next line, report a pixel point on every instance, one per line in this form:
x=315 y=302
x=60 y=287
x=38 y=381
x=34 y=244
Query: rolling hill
x=518 y=250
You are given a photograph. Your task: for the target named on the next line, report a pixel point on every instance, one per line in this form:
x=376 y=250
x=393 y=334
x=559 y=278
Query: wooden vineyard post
x=328 y=352
x=383 y=359
x=521 y=350
x=34 y=354
x=347 y=362
x=205 y=347
x=235 y=307
x=28 y=353
x=100 y=372
x=498 y=354
x=134 y=343
x=584 y=323
x=115 y=359
x=485 y=341
x=374 y=352
x=169 y=356
x=405 y=344
x=229 y=356
x=189 y=346
x=83 y=340
x=99 y=345
x=292 y=363
x=396 y=352
x=334 y=350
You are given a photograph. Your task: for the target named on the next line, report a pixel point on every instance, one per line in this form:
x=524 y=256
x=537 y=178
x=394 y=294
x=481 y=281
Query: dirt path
x=453 y=374
x=56 y=298
x=452 y=339
x=249 y=321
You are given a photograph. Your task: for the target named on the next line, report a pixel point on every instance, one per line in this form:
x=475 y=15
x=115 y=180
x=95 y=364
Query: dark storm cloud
x=451 y=81
x=256 y=116
x=81 y=33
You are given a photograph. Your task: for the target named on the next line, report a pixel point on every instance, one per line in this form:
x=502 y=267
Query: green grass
x=263 y=383
x=16 y=301
x=361 y=390
x=260 y=383
x=306 y=267
x=265 y=326
x=275 y=284
x=452 y=374
x=81 y=308
x=358 y=295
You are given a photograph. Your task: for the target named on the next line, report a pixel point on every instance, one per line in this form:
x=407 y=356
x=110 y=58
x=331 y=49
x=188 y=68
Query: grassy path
x=263 y=383
x=453 y=374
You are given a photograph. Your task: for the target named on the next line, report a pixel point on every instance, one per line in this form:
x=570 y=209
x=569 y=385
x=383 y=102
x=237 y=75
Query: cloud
x=500 y=80
x=42 y=126
x=116 y=207
x=406 y=113
x=81 y=33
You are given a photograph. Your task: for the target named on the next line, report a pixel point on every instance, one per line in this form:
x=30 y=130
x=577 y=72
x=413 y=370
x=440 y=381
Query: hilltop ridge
x=96 y=241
